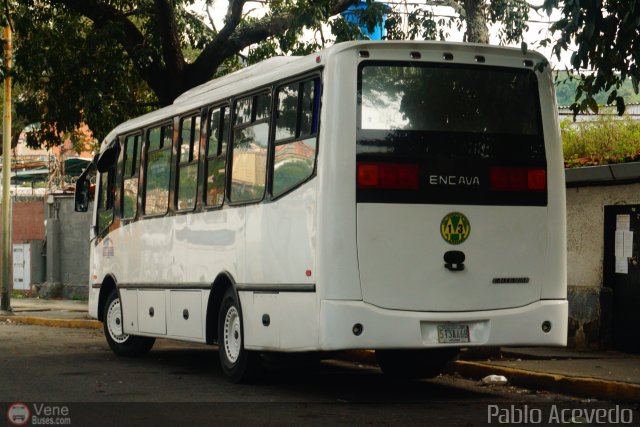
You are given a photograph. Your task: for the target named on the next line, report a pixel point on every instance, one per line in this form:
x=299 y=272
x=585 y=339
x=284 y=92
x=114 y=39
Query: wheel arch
x=223 y=281
x=108 y=285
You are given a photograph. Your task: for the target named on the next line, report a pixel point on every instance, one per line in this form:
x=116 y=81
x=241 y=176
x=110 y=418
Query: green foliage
x=567 y=89
x=103 y=61
x=606 y=34
x=608 y=139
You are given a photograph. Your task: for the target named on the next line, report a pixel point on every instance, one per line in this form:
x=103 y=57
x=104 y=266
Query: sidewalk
x=602 y=375
x=56 y=313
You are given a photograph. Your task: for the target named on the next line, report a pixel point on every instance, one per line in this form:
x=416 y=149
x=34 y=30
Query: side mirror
x=82 y=192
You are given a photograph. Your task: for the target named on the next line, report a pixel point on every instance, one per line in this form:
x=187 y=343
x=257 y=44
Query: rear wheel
x=238 y=364
x=122 y=344
x=412 y=364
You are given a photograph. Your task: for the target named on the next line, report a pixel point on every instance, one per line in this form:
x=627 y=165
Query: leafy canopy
x=101 y=62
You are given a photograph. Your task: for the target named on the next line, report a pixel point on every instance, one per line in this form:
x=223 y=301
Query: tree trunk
x=477 y=31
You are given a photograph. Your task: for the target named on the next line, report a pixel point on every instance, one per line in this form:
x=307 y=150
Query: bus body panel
x=281 y=238
x=337 y=256
x=554 y=285
x=383 y=328
x=401 y=257
x=293 y=321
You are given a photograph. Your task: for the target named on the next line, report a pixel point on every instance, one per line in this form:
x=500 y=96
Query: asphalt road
x=182 y=384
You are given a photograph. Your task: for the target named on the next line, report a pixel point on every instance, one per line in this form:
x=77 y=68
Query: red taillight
x=518 y=179
x=388 y=176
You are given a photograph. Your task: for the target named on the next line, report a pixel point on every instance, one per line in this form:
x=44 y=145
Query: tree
x=607 y=35
x=103 y=61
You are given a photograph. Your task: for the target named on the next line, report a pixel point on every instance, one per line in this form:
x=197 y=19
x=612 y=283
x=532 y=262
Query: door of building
x=621 y=272
x=21 y=266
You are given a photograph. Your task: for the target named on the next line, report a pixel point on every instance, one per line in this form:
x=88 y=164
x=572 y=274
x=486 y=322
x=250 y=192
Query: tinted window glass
x=307 y=118
x=130 y=176
x=451 y=128
x=214 y=132
x=294 y=163
x=187 y=185
x=106 y=198
x=216 y=157
x=249 y=162
x=449 y=99
x=262 y=107
x=155 y=139
x=287 y=115
x=243 y=111
x=158 y=172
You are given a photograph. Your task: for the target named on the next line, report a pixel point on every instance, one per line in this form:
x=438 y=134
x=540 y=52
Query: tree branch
x=232 y=40
x=130 y=38
x=171 y=48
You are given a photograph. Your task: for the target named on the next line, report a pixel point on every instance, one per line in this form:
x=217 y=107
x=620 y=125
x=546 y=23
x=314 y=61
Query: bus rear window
x=449 y=99
x=449 y=134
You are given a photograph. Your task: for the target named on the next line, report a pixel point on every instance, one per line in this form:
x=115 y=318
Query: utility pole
x=5 y=304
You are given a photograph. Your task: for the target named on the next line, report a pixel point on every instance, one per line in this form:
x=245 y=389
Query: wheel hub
x=114 y=322
x=232 y=335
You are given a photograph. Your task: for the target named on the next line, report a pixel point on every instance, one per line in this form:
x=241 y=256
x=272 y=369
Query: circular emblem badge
x=455 y=228
x=18 y=414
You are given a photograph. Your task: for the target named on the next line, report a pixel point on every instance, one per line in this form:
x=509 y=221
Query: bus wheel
x=413 y=364
x=122 y=344
x=238 y=364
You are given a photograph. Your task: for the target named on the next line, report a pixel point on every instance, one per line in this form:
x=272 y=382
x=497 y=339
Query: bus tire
x=122 y=344
x=414 y=364
x=238 y=364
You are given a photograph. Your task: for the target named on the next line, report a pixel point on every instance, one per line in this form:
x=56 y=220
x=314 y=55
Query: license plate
x=448 y=334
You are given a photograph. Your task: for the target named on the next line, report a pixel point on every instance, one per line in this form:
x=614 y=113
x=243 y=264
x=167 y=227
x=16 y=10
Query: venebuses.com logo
x=20 y=414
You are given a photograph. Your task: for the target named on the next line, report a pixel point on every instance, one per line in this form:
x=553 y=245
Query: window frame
x=226 y=128
x=301 y=79
x=164 y=123
x=265 y=90
x=194 y=151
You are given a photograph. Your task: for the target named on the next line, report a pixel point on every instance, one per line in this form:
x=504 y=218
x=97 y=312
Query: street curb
x=571 y=385
x=58 y=323
x=576 y=386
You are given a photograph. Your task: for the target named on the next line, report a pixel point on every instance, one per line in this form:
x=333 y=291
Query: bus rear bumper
x=383 y=328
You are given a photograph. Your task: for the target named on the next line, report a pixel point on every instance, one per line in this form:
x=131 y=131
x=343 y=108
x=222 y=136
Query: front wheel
x=238 y=364
x=413 y=364
x=122 y=344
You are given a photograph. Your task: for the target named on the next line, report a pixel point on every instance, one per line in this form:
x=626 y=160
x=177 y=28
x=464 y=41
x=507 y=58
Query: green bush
x=608 y=139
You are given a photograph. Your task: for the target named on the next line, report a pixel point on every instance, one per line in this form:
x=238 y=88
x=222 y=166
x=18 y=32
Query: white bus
x=406 y=197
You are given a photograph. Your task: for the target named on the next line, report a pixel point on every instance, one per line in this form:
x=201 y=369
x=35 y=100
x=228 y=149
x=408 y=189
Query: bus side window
x=296 y=135
x=217 y=139
x=130 y=175
x=158 y=172
x=106 y=198
x=250 y=142
x=188 y=163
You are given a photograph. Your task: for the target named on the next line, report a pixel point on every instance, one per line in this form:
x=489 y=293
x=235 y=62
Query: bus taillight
x=388 y=176
x=518 y=179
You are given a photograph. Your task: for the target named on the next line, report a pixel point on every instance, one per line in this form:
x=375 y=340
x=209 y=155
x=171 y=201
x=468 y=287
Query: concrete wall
x=67 y=265
x=589 y=190
x=585 y=228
